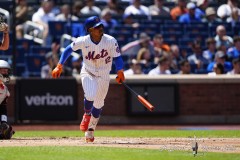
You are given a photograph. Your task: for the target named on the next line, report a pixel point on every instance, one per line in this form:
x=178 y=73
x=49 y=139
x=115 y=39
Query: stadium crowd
x=155 y=36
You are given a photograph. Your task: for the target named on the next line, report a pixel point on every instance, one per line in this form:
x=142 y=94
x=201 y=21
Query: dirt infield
x=227 y=145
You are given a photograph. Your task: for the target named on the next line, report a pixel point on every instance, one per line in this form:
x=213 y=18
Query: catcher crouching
x=6 y=130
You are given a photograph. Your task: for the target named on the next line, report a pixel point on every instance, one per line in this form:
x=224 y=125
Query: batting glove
x=120 y=77
x=57 y=71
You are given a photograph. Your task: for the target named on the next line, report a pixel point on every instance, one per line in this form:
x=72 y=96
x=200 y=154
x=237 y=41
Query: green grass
x=103 y=153
x=111 y=153
x=136 y=133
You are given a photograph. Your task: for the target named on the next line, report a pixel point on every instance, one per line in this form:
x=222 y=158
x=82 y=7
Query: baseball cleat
x=89 y=135
x=85 y=122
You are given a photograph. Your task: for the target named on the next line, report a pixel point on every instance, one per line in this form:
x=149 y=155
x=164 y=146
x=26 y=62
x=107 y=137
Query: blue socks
x=96 y=112
x=88 y=105
x=90 y=109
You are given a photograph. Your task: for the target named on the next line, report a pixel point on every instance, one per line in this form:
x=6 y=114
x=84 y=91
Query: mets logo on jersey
x=91 y=55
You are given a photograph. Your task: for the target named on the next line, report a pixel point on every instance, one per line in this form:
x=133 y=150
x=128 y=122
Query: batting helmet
x=3 y=76
x=92 y=22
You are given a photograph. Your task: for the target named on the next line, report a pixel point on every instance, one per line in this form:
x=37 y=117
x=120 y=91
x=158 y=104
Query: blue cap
x=92 y=22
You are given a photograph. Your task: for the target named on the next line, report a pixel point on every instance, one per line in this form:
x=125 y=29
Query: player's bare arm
x=5 y=40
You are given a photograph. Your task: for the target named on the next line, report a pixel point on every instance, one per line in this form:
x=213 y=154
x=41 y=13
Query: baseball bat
x=144 y=102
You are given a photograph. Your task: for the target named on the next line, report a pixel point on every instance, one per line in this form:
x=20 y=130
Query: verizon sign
x=47 y=99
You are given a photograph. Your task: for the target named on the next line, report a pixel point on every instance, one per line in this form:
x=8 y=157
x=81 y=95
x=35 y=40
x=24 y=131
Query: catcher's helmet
x=92 y=22
x=5 y=77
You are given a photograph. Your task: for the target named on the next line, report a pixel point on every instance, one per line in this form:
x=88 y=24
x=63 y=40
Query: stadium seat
x=151 y=30
x=21 y=69
x=34 y=63
x=40 y=50
x=122 y=37
x=174 y=36
x=25 y=43
x=236 y=30
x=160 y=17
x=172 y=28
x=123 y=29
x=196 y=27
x=140 y=18
x=75 y=29
x=170 y=41
x=201 y=37
x=56 y=28
x=186 y=42
x=20 y=53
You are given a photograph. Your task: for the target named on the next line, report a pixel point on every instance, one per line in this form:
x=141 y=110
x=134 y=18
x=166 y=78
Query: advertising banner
x=162 y=96
x=46 y=99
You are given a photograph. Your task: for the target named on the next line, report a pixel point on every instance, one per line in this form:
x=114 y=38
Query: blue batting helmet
x=92 y=22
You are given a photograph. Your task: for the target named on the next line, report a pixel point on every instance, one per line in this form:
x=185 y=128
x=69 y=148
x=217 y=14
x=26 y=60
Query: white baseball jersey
x=97 y=58
x=4 y=93
x=97 y=64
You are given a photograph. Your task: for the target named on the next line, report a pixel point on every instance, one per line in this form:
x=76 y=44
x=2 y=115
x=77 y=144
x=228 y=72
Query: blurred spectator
x=76 y=65
x=221 y=38
x=52 y=59
x=145 y=58
x=107 y=20
x=220 y=57
x=179 y=9
x=55 y=8
x=135 y=68
x=43 y=15
x=211 y=49
x=175 y=58
x=76 y=8
x=131 y=49
x=197 y=59
x=191 y=15
x=218 y=69
x=234 y=17
x=158 y=43
x=65 y=14
x=225 y=10
x=21 y=10
x=159 y=9
x=234 y=52
x=236 y=67
x=185 y=67
x=47 y=68
x=201 y=7
x=162 y=68
x=210 y=16
x=114 y=7
x=160 y=47
x=128 y=20
x=90 y=8
x=136 y=8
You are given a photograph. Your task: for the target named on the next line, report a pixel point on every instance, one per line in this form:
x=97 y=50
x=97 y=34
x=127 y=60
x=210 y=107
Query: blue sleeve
x=66 y=53
x=118 y=62
x=210 y=67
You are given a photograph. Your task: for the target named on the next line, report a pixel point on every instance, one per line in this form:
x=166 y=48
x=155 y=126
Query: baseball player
x=6 y=131
x=98 y=52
